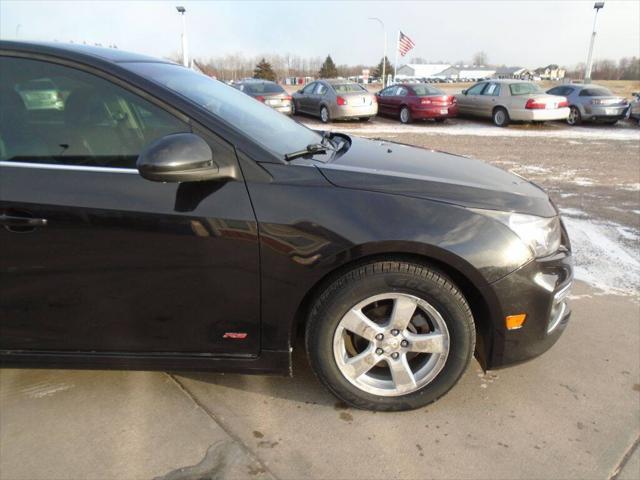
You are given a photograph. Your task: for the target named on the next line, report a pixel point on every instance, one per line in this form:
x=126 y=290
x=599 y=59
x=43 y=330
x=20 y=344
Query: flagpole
x=395 y=66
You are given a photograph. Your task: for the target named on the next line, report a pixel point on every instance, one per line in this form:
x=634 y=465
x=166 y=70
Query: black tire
x=440 y=120
x=378 y=277
x=611 y=122
x=574 y=118
x=405 y=115
x=500 y=117
x=365 y=119
x=325 y=118
x=293 y=108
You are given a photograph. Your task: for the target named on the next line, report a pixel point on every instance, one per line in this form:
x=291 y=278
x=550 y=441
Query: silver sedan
x=511 y=100
x=589 y=102
x=334 y=100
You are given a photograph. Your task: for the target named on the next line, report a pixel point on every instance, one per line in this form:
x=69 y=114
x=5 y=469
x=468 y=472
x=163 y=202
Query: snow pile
x=606 y=255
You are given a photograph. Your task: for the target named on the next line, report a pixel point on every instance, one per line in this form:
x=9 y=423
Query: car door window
x=402 y=92
x=476 y=89
x=309 y=88
x=492 y=90
x=321 y=89
x=60 y=115
x=387 y=92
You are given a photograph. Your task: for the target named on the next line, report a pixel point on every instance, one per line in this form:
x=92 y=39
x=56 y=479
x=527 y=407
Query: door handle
x=16 y=221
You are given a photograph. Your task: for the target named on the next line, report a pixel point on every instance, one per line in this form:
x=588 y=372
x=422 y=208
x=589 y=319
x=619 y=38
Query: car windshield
x=261 y=88
x=348 y=88
x=596 y=92
x=276 y=132
x=422 y=90
x=524 y=88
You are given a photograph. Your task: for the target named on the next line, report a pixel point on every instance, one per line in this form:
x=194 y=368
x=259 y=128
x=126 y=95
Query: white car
x=505 y=101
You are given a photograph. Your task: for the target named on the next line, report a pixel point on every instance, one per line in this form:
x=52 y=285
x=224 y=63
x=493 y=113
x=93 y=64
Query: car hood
x=389 y=167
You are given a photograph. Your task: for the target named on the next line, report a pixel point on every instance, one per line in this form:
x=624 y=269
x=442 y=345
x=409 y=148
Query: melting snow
x=606 y=255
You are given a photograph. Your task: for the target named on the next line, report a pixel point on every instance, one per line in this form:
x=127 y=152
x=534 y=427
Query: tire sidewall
x=328 y=117
x=408 y=117
x=506 y=117
x=455 y=314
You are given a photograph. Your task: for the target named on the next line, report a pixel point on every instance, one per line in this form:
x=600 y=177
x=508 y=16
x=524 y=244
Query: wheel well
x=478 y=304
x=499 y=107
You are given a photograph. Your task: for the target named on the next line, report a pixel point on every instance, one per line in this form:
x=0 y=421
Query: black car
x=160 y=219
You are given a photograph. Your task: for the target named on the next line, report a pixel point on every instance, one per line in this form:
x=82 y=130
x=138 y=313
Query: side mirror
x=464 y=92
x=180 y=157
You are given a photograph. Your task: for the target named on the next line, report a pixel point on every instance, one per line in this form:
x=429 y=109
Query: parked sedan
x=269 y=93
x=335 y=100
x=416 y=102
x=589 y=102
x=634 y=107
x=511 y=100
x=164 y=220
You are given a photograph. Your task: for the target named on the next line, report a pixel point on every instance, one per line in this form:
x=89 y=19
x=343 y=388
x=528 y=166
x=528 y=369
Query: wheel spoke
x=357 y=366
x=402 y=375
x=357 y=322
x=403 y=310
x=427 y=343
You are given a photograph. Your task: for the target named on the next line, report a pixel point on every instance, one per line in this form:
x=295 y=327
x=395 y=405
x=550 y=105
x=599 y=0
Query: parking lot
x=572 y=413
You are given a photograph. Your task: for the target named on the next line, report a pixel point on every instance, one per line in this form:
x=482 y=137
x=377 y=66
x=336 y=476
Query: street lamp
x=587 y=74
x=185 y=55
x=384 y=57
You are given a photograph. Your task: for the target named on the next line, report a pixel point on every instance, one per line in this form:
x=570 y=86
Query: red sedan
x=416 y=101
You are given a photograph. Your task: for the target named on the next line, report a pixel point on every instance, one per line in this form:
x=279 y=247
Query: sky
x=512 y=32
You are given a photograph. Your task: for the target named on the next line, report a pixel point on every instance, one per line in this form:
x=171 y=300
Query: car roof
x=255 y=80
x=335 y=81
x=111 y=55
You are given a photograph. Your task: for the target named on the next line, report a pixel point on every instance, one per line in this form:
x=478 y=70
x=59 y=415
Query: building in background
x=466 y=72
x=550 y=72
x=420 y=70
x=516 y=73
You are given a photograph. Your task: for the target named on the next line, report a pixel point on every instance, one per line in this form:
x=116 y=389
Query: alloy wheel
x=404 y=115
x=391 y=344
x=324 y=114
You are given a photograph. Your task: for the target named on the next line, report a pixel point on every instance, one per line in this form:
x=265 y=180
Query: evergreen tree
x=377 y=71
x=264 y=71
x=328 y=69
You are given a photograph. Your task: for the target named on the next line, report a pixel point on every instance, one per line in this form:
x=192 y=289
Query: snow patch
x=602 y=258
x=474 y=128
x=632 y=187
x=583 y=182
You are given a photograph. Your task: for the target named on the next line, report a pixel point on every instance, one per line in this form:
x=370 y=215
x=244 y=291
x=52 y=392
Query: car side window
x=402 y=92
x=309 y=88
x=60 y=115
x=387 y=92
x=476 y=89
x=321 y=89
x=492 y=90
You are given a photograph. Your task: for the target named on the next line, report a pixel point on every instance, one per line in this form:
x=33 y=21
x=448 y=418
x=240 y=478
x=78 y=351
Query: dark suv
x=159 y=219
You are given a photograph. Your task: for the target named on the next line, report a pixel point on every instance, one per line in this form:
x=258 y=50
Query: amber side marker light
x=514 y=322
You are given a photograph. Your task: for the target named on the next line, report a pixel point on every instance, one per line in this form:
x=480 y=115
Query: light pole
x=384 y=57
x=185 y=54
x=587 y=72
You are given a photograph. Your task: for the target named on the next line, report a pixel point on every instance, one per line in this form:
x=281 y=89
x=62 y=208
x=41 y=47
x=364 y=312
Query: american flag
x=405 y=44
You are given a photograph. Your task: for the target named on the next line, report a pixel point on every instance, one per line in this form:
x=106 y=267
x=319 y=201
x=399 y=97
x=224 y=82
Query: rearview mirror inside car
x=180 y=157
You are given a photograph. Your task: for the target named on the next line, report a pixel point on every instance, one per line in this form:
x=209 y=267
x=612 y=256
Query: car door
x=383 y=100
x=317 y=97
x=304 y=98
x=488 y=99
x=399 y=99
x=468 y=102
x=93 y=257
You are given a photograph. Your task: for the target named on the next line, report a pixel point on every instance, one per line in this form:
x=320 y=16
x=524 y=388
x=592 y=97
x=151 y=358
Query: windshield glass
x=348 y=88
x=275 y=131
x=261 y=88
x=422 y=90
x=524 y=88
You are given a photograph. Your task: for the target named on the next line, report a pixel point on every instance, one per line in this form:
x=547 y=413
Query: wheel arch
x=482 y=300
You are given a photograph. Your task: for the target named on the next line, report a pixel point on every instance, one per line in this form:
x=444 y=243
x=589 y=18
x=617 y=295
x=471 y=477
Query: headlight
x=541 y=234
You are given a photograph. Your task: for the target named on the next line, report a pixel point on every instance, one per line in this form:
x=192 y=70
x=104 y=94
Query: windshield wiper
x=309 y=150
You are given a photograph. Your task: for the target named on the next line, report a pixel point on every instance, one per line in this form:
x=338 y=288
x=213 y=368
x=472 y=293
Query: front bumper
x=540 y=289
